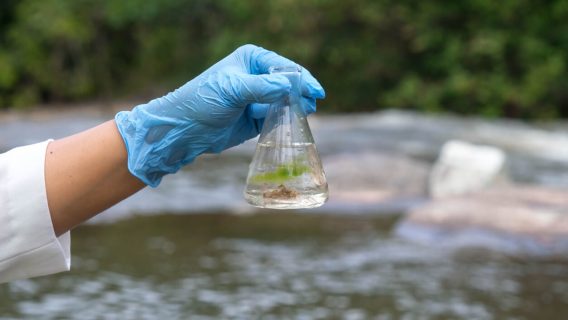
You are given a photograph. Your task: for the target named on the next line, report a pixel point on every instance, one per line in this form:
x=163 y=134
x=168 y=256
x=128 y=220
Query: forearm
x=85 y=174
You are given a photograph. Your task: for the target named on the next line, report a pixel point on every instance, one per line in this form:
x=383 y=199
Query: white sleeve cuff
x=28 y=245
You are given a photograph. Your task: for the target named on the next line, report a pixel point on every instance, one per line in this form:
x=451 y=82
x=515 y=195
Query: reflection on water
x=282 y=266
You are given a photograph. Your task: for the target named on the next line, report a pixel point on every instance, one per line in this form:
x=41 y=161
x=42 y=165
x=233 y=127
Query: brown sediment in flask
x=282 y=192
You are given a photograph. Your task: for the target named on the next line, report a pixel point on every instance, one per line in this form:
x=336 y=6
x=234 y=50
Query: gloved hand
x=222 y=107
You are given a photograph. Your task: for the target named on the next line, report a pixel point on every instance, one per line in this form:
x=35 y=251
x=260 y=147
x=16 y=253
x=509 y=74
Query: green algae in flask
x=286 y=170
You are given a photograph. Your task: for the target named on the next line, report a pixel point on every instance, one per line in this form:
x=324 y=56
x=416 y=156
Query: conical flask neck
x=286 y=122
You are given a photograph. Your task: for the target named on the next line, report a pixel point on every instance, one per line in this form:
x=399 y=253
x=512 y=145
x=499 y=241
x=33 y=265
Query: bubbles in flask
x=286 y=171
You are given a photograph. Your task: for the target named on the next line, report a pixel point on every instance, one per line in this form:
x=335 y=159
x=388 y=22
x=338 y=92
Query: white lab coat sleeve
x=28 y=245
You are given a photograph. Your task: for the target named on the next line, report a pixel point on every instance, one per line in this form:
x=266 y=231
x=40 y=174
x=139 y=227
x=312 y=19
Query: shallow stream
x=282 y=266
x=191 y=249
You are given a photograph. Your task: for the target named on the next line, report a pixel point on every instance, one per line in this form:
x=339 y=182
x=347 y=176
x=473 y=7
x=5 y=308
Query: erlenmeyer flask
x=286 y=171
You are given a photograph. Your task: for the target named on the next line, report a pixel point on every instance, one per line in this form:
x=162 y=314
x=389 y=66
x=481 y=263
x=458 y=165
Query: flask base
x=300 y=201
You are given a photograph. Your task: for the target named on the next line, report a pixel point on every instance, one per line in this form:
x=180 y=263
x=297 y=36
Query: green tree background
x=492 y=58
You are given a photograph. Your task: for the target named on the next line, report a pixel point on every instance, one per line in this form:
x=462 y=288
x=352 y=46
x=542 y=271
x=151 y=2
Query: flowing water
x=181 y=252
x=282 y=266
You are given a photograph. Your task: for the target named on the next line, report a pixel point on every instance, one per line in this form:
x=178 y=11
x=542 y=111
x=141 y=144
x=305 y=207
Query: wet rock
x=463 y=167
x=375 y=181
x=528 y=220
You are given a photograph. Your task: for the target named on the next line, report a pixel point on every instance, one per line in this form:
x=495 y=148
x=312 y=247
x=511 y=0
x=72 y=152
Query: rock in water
x=463 y=167
x=527 y=220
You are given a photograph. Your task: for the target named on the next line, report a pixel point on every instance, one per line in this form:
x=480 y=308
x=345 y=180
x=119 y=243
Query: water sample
x=286 y=171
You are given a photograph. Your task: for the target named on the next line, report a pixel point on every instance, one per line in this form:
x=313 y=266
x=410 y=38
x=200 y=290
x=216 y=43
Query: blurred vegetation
x=494 y=58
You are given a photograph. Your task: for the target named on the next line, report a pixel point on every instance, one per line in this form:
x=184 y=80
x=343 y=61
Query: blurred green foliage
x=494 y=58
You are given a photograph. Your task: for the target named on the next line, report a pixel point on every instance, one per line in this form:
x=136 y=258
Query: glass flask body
x=286 y=171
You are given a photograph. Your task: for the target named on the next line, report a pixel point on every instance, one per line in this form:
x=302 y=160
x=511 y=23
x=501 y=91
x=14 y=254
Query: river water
x=192 y=249
x=283 y=266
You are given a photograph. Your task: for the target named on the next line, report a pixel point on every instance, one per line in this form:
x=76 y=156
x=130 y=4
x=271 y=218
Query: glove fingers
x=310 y=86
x=265 y=88
x=259 y=110
x=261 y=60
x=309 y=105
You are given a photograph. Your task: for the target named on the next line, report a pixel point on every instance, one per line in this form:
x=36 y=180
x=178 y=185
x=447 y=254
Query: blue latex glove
x=222 y=107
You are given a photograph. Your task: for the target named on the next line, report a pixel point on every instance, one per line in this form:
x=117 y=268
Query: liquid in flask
x=286 y=170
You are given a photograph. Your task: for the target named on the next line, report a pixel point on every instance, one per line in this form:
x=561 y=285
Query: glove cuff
x=153 y=145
